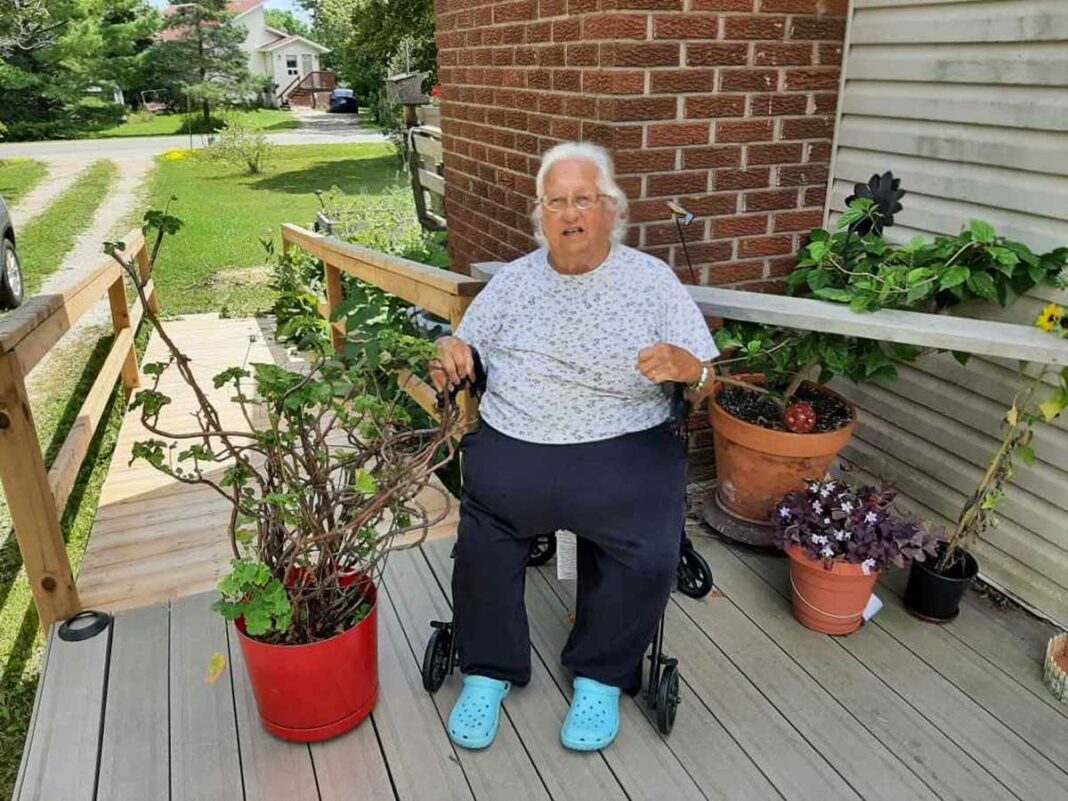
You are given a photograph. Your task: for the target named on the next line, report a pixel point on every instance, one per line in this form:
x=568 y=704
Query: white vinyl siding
x=967 y=102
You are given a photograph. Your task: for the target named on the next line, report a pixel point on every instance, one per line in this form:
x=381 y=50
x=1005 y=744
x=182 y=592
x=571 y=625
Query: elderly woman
x=575 y=338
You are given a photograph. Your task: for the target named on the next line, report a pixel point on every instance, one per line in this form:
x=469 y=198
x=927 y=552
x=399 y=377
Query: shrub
x=244 y=147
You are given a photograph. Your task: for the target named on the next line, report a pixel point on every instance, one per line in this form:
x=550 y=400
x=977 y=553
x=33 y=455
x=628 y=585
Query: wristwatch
x=701 y=382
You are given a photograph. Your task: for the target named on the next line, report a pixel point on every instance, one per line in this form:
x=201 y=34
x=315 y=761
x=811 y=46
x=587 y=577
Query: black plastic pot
x=935 y=597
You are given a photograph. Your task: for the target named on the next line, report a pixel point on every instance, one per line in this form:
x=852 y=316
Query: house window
x=291 y=65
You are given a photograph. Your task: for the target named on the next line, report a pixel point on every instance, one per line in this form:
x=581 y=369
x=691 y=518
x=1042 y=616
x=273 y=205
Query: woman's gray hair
x=606 y=183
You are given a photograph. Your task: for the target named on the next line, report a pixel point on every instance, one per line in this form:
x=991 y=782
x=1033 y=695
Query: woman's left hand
x=662 y=362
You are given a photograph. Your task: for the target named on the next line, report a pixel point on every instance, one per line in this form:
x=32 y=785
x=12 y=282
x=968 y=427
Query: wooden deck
x=899 y=710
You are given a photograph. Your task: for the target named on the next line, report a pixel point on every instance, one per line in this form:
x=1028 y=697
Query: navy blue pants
x=625 y=499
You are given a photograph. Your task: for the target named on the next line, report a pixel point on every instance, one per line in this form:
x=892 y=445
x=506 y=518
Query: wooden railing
x=318 y=81
x=36 y=495
x=444 y=293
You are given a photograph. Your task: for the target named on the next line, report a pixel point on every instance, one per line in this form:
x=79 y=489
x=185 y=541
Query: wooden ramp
x=770 y=710
x=154 y=538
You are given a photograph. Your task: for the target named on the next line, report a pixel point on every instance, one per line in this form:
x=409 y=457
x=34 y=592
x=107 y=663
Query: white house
x=285 y=58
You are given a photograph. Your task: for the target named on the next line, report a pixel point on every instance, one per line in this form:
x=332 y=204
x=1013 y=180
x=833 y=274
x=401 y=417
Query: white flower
x=819 y=539
x=826 y=521
x=866 y=566
x=847 y=507
x=817 y=507
x=827 y=551
x=839 y=534
x=870 y=517
x=784 y=512
x=825 y=491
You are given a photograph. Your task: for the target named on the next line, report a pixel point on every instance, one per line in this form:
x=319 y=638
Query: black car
x=10 y=269
x=344 y=101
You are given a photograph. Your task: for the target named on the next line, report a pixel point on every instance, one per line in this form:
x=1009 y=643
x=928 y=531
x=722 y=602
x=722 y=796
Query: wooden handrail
x=35 y=494
x=442 y=292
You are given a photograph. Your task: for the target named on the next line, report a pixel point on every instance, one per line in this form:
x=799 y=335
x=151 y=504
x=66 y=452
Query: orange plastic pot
x=828 y=601
x=308 y=693
x=756 y=467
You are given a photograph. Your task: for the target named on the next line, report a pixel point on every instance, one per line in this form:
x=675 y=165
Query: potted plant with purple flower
x=839 y=538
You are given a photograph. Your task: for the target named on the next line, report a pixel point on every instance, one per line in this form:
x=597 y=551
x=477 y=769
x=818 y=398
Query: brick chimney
x=726 y=106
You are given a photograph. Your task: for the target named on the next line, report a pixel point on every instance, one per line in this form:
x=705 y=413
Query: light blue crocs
x=477 y=713
x=592 y=722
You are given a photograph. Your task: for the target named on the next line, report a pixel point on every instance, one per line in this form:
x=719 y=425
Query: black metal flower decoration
x=885 y=190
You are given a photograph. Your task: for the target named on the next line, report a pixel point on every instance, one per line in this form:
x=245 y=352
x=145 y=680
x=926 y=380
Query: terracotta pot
x=307 y=693
x=828 y=601
x=756 y=467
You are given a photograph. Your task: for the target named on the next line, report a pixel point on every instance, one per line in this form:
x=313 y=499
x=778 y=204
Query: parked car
x=344 y=101
x=11 y=277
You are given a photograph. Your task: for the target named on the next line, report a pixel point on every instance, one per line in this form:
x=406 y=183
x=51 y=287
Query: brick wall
x=726 y=106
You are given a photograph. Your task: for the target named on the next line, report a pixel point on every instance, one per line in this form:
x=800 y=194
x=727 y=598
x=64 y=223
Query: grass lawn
x=216 y=262
x=166 y=124
x=50 y=236
x=18 y=176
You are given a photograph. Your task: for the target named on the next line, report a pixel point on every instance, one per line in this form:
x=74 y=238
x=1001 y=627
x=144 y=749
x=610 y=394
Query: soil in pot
x=935 y=597
x=830 y=601
x=756 y=465
x=832 y=413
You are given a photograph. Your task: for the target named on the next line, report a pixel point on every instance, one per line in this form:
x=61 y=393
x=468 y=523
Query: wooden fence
x=36 y=495
x=441 y=292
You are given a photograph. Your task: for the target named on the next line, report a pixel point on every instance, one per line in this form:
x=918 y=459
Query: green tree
x=200 y=59
x=285 y=20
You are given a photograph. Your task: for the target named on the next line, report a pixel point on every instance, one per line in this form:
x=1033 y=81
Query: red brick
x=675 y=183
x=567 y=80
x=765 y=246
x=834 y=8
x=678 y=134
x=645 y=5
x=539 y=32
x=715 y=106
x=514 y=12
x=645 y=54
x=777 y=105
x=712 y=205
x=789 y=6
x=686 y=26
x=732 y=272
x=704 y=55
x=731 y=227
x=789 y=153
x=705 y=157
x=648 y=211
x=798 y=220
x=819 y=152
x=567 y=30
x=551 y=8
x=807 y=80
x=615 y=26
x=723 y=180
x=582 y=6
x=680 y=81
x=723 y=5
x=710 y=251
x=643 y=161
x=660 y=234
x=551 y=56
x=550 y=104
x=566 y=129
x=749 y=80
x=777 y=54
x=808 y=128
x=754 y=27
x=631 y=185
x=832 y=28
x=744 y=131
x=770 y=200
x=782 y=266
x=825 y=103
x=512 y=34
x=641 y=108
x=612 y=82
x=582 y=55
x=815 y=196
x=830 y=53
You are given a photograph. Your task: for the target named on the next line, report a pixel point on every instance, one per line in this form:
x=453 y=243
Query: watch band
x=701 y=382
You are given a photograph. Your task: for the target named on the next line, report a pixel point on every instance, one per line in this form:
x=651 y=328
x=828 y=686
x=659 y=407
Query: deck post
x=29 y=496
x=120 y=319
x=334 y=296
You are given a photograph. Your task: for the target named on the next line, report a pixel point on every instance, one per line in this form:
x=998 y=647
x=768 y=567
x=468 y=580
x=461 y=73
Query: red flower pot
x=307 y=693
x=829 y=601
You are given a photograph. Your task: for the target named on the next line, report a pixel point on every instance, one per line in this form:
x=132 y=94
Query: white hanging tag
x=566 y=555
x=874 y=605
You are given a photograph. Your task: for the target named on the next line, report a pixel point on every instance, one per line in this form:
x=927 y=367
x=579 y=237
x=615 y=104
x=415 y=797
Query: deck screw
x=48 y=583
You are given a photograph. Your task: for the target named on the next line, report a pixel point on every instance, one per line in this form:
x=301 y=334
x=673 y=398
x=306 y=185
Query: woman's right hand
x=455 y=362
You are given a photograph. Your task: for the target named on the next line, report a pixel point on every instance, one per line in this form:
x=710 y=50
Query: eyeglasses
x=581 y=202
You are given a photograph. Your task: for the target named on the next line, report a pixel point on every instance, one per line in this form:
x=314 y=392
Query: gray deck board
x=134 y=762
x=352 y=764
x=205 y=763
x=924 y=750
x=61 y=757
x=273 y=769
x=1023 y=771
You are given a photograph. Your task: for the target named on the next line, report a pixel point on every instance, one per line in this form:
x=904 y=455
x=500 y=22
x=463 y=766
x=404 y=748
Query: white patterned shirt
x=561 y=351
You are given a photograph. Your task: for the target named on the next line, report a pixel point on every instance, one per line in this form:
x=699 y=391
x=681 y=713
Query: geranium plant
x=321 y=477
x=836 y=521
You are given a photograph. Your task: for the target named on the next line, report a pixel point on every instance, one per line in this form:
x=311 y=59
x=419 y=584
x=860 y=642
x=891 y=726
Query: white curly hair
x=606 y=183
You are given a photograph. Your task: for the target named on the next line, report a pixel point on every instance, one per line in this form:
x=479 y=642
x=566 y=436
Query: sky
x=284 y=5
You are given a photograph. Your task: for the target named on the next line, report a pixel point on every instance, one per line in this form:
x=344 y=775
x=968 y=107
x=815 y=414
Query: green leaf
x=1027 y=453
x=954 y=276
x=1051 y=409
x=860 y=303
x=365 y=483
x=982 y=285
x=982 y=232
x=832 y=293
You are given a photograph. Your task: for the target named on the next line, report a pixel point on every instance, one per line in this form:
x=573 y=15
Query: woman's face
x=572 y=233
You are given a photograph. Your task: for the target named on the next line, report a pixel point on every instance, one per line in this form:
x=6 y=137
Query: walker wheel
x=542 y=549
x=667 y=699
x=436 y=659
x=694 y=577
